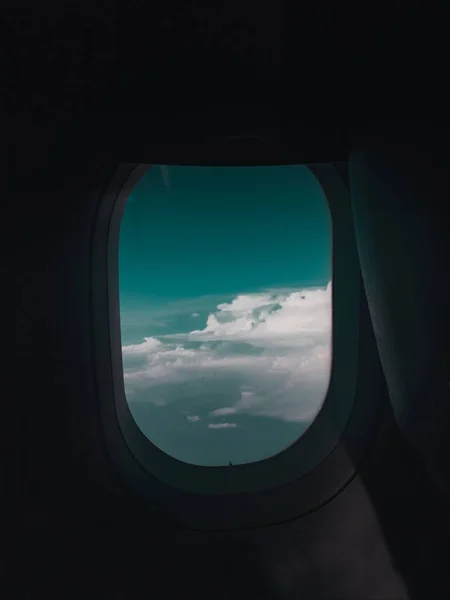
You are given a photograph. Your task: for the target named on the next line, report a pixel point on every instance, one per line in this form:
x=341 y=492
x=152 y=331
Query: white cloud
x=147 y=347
x=249 y=400
x=276 y=344
x=227 y=410
x=194 y=419
x=195 y=315
x=221 y=425
x=295 y=318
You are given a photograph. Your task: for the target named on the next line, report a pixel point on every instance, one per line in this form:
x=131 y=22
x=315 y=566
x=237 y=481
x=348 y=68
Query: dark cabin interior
x=89 y=87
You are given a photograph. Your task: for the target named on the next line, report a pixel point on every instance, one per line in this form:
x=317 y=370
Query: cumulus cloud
x=221 y=425
x=146 y=347
x=272 y=319
x=274 y=345
x=194 y=419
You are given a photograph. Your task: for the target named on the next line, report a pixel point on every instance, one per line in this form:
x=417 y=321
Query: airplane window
x=225 y=306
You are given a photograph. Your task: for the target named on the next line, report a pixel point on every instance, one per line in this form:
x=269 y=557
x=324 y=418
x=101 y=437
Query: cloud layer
x=271 y=352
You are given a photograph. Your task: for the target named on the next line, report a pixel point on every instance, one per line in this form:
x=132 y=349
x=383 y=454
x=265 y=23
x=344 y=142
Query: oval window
x=225 y=306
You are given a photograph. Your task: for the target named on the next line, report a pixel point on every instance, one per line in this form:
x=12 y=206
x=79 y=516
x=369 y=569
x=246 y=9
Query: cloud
x=228 y=410
x=249 y=400
x=272 y=349
x=295 y=318
x=146 y=347
x=221 y=425
x=194 y=419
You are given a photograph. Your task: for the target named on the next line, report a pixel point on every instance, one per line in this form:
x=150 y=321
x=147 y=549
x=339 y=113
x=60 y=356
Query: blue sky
x=225 y=297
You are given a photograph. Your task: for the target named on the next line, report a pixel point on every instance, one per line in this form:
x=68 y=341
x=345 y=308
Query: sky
x=225 y=304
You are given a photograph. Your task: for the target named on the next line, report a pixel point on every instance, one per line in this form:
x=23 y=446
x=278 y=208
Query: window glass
x=225 y=304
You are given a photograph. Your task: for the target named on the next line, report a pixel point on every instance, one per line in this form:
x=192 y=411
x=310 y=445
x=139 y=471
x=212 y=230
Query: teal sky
x=192 y=231
x=225 y=309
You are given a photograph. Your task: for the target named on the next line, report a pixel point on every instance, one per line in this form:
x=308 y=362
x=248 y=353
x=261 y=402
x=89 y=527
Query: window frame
x=205 y=496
